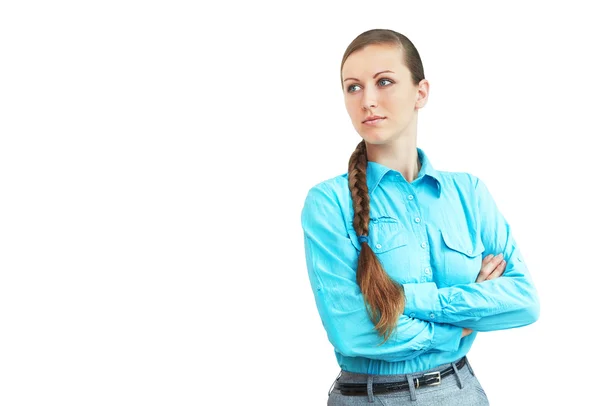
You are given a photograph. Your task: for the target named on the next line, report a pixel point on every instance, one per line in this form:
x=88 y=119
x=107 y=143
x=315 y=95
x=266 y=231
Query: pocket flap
x=461 y=242
x=385 y=234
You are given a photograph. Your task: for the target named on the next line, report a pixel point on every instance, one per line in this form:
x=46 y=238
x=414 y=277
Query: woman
x=406 y=263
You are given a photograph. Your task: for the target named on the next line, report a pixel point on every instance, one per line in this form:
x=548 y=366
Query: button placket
x=417 y=218
x=426 y=275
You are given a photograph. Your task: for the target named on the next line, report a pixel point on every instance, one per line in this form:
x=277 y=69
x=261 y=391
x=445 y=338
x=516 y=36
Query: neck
x=401 y=155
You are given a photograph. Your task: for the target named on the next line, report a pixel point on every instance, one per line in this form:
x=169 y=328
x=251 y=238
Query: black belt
x=380 y=388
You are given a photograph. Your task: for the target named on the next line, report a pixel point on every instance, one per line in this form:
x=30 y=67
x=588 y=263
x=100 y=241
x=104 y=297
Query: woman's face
x=377 y=83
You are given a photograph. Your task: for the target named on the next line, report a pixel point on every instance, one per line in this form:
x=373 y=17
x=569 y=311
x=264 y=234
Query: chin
x=375 y=138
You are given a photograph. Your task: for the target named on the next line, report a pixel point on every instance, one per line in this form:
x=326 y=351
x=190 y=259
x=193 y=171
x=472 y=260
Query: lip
x=373 y=120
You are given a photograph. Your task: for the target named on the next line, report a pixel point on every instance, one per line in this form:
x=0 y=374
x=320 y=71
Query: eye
x=385 y=80
x=350 y=88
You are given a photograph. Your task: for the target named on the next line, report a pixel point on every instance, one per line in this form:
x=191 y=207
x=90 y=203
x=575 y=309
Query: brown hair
x=384 y=298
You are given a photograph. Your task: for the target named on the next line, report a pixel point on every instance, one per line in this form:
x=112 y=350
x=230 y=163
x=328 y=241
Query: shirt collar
x=376 y=172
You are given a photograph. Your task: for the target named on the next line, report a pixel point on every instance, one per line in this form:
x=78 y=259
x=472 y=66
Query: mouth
x=374 y=120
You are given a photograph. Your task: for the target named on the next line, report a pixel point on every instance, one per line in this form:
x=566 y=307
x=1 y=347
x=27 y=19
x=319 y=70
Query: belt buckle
x=438 y=376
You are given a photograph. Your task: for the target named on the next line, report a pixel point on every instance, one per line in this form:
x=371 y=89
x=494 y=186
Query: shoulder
x=462 y=181
x=459 y=177
x=334 y=188
x=466 y=187
x=327 y=197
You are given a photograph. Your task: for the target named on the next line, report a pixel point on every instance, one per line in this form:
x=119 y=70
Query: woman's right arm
x=331 y=260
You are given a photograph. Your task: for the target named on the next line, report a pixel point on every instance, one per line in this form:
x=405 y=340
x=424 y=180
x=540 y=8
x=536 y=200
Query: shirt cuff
x=422 y=301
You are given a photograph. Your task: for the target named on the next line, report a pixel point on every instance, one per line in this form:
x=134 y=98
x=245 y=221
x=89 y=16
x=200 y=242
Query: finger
x=488 y=268
x=485 y=269
x=481 y=277
x=494 y=262
x=498 y=271
x=487 y=259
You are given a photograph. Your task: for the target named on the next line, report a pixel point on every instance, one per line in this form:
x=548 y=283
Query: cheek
x=354 y=110
x=348 y=104
x=398 y=102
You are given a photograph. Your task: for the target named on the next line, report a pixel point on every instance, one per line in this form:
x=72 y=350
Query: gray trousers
x=459 y=389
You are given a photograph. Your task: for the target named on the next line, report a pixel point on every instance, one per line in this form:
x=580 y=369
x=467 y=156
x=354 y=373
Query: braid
x=384 y=298
x=357 y=181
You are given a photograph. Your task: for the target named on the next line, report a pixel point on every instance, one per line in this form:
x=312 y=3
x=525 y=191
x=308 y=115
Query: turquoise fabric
x=431 y=236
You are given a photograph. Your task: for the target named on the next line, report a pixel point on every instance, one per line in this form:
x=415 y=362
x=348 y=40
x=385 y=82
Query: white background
x=155 y=156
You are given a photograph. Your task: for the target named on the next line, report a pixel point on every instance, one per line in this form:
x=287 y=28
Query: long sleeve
x=331 y=260
x=505 y=302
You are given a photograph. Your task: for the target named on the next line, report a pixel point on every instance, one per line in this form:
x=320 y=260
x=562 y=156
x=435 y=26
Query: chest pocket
x=385 y=234
x=462 y=257
x=390 y=241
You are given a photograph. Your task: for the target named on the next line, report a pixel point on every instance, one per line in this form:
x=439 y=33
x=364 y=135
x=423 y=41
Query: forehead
x=373 y=59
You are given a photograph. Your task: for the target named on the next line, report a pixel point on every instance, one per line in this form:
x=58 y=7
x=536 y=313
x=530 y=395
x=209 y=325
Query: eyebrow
x=374 y=76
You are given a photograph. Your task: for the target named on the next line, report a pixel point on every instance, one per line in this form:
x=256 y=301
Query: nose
x=369 y=99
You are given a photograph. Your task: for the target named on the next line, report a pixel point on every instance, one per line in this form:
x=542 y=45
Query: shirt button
x=432 y=316
x=423 y=245
x=469 y=251
x=427 y=271
x=378 y=245
x=412 y=315
x=418 y=220
x=410 y=197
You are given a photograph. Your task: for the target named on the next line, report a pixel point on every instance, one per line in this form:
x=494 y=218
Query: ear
x=422 y=94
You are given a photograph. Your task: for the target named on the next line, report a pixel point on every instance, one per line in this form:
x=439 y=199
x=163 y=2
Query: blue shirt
x=431 y=236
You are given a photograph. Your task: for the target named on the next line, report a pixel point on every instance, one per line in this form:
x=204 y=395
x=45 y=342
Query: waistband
x=359 y=384
x=354 y=377
x=419 y=380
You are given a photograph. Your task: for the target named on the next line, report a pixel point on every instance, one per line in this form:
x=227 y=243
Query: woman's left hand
x=492 y=267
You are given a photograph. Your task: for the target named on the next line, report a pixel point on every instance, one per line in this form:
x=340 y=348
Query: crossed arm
x=502 y=297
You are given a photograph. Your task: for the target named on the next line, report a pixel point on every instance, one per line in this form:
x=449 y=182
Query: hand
x=491 y=268
x=466 y=332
